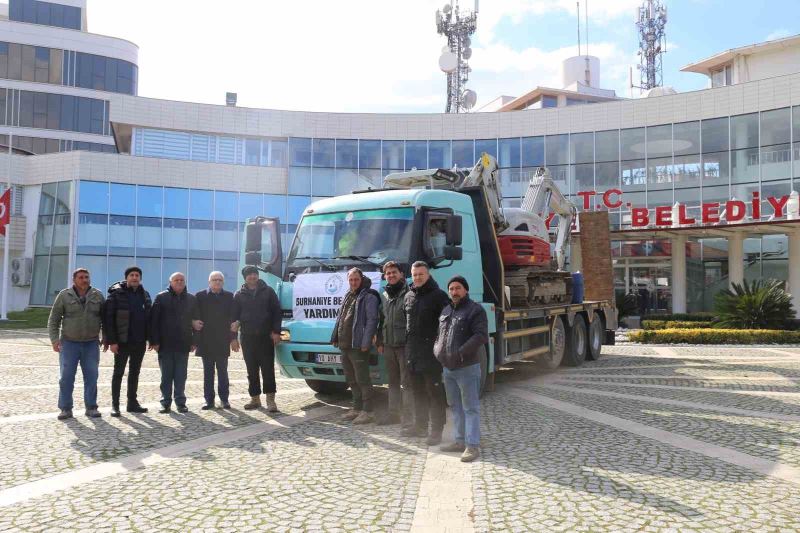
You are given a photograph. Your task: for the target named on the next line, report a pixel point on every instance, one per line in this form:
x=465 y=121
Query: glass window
x=201 y=239
x=151 y=273
x=582 y=178
x=532 y=151
x=716 y=167
x=346 y=181
x=150 y=201
x=299 y=152
x=229 y=269
x=560 y=175
x=148 y=237
x=439 y=154
x=299 y=180
x=297 y=204
x=250 y=205
x=659 y=141
x=463 y=154
x=279 y=153
x=369 y=154
x=686 y=169
x=776 y=161
x=197 y=276
x=123 y=199
x=176 y=232
x=323 y=153
x=581 y=148
x=549 y=101
x=92 y=233
x=369 y=177
x=686 y=138
x=556 y=149
x=225 y=206
x=632 y=145
x=416 y=155
x=607 y=145
x=659 y=172
x=744 y=131
x=176 y=203
x=488 y=146
x=508 y=156
x=275 y=206
x=169 y=267
x=93 y=196
x=200 y=204
x=56 y=277
x=252 y=151
x=226 y=240
x=606 y=175
x=393 y=156
x=744 y=165
x=121 y=229
x=62 y=197
x=775 y=126
x=323 y=182
x=96 y=264
x=634 y=174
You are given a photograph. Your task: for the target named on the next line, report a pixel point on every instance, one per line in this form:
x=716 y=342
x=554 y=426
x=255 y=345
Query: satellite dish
x=448 y=62
x=467 y=53
x=469 y=98
x=467 y=42
x=447 y=8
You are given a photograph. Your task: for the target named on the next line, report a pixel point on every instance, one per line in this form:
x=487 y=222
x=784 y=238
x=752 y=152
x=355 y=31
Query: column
x=794 y=268
x=735 y=259
x=575 y=258
x=679 y=274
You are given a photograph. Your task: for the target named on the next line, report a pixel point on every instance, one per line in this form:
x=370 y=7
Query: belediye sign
x=318 y=296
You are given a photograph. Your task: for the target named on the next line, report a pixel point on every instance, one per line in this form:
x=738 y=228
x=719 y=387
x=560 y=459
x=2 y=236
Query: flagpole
x=7 y=243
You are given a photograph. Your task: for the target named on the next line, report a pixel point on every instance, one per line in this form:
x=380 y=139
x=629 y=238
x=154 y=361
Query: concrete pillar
x=679 y=274
x=794 y=268
x=575 y=257
x=735 y=259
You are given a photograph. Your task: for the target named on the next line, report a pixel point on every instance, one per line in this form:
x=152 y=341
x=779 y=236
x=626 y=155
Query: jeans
x=463 y=387
x=401 y=398
x=223 y=385
x=134 y=352
x=88 y=355
x=174 y=367
x=429 y=401
x=356 y=372
x=259 y=358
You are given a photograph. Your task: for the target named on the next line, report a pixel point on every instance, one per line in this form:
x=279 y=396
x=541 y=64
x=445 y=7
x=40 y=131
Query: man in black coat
x=126 y=319
x=424 y=302
x=257 y=310
x=171 y=337
x=214 y=338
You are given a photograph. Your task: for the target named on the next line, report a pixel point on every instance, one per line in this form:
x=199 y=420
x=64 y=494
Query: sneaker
x=414 y=432
x=453 y=447
x=434 y=438
x=165 y=410
x=389 y=419
x=93 y=413
x=364 y=418
x=64 y=414
x=115 y=411
x=136 y=408
x=470 y=454
x=183 y=409
x=207 y=407
x=352 y=414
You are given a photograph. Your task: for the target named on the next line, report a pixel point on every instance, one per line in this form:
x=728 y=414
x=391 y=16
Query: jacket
x=423 y=305
x=258 y=311
x=73 y=321
x=393 y=332
x=171 y=321
x=117 y=313
x=463 y=329
x=367 y=317
x=216 y=312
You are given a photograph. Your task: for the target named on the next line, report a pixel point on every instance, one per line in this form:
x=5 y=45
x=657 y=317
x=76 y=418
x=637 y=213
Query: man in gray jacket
x=74 y=327
x=356 y=326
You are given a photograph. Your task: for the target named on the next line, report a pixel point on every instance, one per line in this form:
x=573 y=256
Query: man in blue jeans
x=463 y=332
x=74 y=327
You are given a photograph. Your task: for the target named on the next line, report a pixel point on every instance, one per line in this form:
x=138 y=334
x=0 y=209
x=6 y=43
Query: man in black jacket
x=126 y=318
x=214 y=338
x=257 y=310
x=463 y=332
x=171 y=337
x=423 y=304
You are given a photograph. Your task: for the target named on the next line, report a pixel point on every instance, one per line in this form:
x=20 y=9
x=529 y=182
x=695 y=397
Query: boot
x=136 y=408
x=414 y=431
x=453 y=447
x=92 y=412
x=272 y=407
x=115 y=410
x=364 y=418
x=389 y=419
x=64 y=414
x=470 y=454
x=434 y=438
x=254 y=403
x=352 y=414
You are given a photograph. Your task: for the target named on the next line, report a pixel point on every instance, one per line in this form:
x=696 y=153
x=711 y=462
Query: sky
x=382 y=56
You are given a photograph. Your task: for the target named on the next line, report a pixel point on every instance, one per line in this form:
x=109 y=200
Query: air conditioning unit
x=21 y=271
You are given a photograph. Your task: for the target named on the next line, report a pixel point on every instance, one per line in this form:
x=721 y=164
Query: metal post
x=7 y=243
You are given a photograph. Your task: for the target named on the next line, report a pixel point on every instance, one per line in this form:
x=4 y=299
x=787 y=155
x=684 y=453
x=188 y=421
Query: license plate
x=329 y=358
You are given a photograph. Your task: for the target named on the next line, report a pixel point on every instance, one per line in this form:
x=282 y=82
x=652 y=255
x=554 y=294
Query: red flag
x=5 y=211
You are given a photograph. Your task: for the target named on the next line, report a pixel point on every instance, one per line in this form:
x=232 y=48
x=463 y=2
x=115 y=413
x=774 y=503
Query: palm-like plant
x=762 y=304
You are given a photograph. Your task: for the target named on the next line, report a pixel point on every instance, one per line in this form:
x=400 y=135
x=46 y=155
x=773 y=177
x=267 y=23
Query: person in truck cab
x=463 y=331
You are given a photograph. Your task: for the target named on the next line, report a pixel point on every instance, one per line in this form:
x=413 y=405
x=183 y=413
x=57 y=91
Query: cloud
x=778 y=34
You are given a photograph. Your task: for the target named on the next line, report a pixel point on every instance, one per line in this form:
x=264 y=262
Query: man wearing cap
x=126 y=318
x=257 y=310
x=463 y=333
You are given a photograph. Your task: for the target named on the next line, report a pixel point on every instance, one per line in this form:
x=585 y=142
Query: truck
x=453 y=221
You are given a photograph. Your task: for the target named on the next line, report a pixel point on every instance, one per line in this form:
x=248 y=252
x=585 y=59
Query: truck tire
x=576 y=345
x=333 y=388
x=596 y=334
x=552 y=359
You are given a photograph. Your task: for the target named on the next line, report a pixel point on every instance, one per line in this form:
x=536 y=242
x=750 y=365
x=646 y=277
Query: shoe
x=64 y=414
x=254 y=403
x=207 y=407
x=364 y=418
x=272 y=407
x=352 y=414
x=414 y=432
x=434 y=438
x=165 y=410
x=453 y=447
x=93 y=413
x=389 y=419
x=226 y=405
x=183 y=409
x=136 y=408
x=115 y=411
x=470 y=454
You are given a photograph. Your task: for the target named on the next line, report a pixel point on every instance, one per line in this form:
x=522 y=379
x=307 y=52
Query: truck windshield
x=338 y=239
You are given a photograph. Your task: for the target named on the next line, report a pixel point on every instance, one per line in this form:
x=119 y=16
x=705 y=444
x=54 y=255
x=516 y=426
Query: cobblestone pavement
x=645 y=439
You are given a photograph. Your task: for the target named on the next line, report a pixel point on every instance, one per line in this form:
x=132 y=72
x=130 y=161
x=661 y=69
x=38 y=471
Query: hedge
x=675 y=324
x=715 y=336
x=682 y=317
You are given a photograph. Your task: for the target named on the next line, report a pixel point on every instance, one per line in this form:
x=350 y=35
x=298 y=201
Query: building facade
x=178 y=179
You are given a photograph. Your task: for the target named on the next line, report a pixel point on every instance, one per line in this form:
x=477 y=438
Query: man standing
x=74 y=327
x=214 y=338
x=423 y=304
x=463 y=332
x=126 y=320
x=258 y=311
x=393 y=346
x=356 y=325
x=171 y=337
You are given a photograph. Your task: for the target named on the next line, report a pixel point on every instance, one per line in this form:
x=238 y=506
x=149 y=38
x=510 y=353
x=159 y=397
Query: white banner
x=319 y=296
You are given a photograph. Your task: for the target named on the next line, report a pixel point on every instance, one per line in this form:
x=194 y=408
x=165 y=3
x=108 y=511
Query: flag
x=5 y=211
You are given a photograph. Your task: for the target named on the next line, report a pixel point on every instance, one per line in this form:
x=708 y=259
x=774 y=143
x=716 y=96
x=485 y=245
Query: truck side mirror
x=453 y=230
x=453 y=253
x=263 y=244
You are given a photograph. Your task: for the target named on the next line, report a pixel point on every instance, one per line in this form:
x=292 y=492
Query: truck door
x=263 y=248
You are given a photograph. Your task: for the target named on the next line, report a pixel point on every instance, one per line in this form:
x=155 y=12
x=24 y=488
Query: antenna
x=453 y=61
x=586 y=14
x=651 y=20
x=578 y=7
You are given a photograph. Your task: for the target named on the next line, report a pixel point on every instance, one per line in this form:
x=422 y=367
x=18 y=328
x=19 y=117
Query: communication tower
x=651 y=19
x=457 y=28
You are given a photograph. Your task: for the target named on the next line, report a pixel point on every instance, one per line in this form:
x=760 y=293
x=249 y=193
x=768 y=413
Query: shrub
x=683 y=317
x=762 y=304
x=715 y=336
x=675 y=324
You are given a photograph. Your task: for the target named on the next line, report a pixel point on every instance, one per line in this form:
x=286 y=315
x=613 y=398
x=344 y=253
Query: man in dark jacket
x=356 y=326
x=171 y=337
x=463 y=332
x=258 y=312
x=423 y=304
x=213 y=337
x=393 y=346
x=127 y=316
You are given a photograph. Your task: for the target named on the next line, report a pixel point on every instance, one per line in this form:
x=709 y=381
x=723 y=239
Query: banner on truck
x=319 y=296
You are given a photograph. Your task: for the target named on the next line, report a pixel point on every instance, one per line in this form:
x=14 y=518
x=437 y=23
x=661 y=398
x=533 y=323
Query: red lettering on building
x=778 y=204
x=639 y=217
x=607 y=198
x=682 y=218
x=663 y=215
x=756 y=206
x=734 y=210
x=710 y=213
x=586 y=195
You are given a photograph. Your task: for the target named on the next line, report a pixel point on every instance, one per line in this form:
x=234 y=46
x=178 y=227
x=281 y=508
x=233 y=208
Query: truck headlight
x=285 y=335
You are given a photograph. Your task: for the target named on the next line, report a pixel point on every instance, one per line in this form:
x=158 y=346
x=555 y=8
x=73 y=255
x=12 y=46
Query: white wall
x=766 y=65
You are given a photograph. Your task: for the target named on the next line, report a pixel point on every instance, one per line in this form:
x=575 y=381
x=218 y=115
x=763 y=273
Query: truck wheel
x=552 y=359
x=596 y=334
x=484 y=361
x=327 y=387
x=575 y=353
